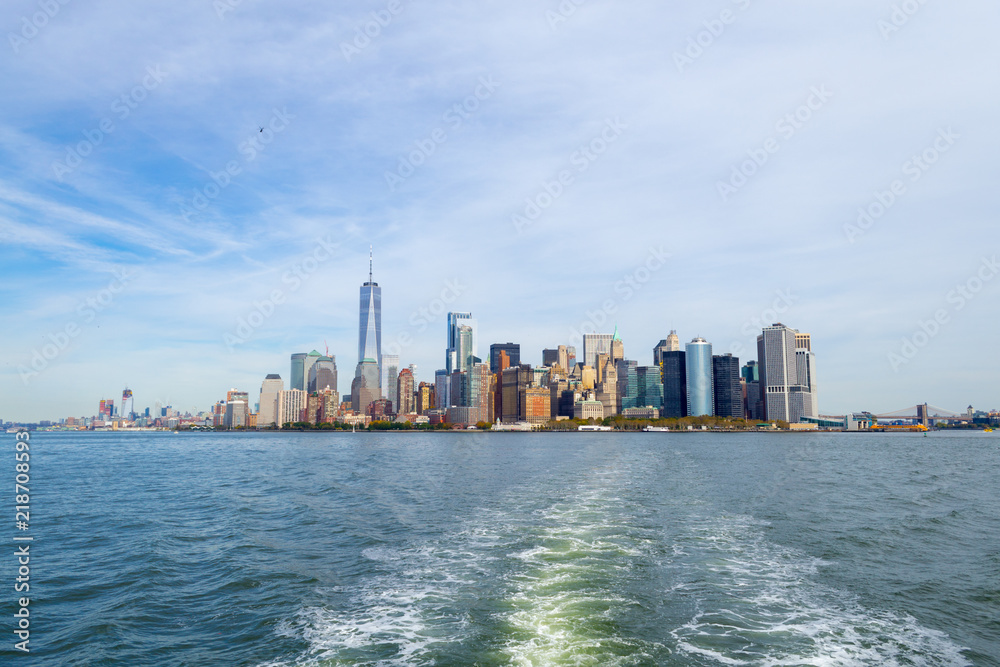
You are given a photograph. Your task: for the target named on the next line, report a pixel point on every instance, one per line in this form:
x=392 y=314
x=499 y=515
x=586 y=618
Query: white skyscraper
x=267 y=413
x=784 y=394
x=595 y=344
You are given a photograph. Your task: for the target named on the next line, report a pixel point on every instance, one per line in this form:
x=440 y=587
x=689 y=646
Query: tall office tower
x=459 y=386
x=298 y=377
x=413 y=371
x=700 y=397
x=658 y=351
x=291 y=404
x=442 y=389
x=673 y=342
x=390 y=375
x=236 y=414
x=617 y=348
x=728 y=390
x=404 y=392
x=267 y=413
x=513 y=351
x=628 y=384
x=365 y=387
x=550 y=357
x=128 y=407
x=570 y=357
x=805 y=362
x=370 y=328
x=322 y=374
x=105 y=409
x=607 y=385
x=454 y=360
x=501 y=363
x=307 y=365
x=650 y=388
x=675 y=384
x=466 y=348
x=783 y=396
x=562 y=353
x=480 y=394
x=749 y=372
x=595 y=344
x=514 y=382
x=424 y=398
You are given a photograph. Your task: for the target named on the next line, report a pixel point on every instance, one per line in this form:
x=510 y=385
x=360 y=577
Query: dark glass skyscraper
x=513 y=351
x=728 y=392
x=674 y=384
x=370 y=325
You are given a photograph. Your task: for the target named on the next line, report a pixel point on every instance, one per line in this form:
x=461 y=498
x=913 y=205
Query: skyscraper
x=454 y=361
x=298 y=377
x=728 y=391
x=805 y=362
x=700 y=395
x=364 y=388
x=404 y=392
x=783 y=396
x=513 y=351
x=307 y=365
x=594 y=344
x=370 y=326
x=669 y=344
x=390 y=376
x=322 y=374
x=267 y=413
x=650 y=389
x=127 y=405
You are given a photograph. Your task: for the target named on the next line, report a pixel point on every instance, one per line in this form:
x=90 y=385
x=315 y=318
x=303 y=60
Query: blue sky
x=546 y=166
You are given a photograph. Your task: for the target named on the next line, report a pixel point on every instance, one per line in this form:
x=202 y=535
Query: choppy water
x=513 y=549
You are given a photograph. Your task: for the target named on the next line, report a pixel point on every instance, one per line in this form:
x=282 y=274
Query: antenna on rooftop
x=371 y=261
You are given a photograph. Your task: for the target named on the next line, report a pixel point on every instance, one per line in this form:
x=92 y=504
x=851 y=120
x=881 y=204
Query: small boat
x=586 y=427
x=656 y=429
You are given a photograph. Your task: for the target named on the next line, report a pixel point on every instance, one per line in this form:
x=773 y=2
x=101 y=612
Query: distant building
x=390 y=377
x=588 y=408
x=594 y=344
x=322 y=374
x=298 y=376
x=291 y=404
x=674 y=384
x=404 y=392
x=268 y=410
x=457 y=356
x=550 y=357
x=365 y=387
x=783 y=396
x=649 y=388
x=700 y=394
x=641 y=413
x=513 y=351
x=538 y=405
x=628 y=384
x=727 y=388
x=370 y=330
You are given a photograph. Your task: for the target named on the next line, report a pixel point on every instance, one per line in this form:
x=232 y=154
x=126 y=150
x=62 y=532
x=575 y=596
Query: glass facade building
x=728 y=391
x=513 y=351
x=650 y=388
x=298 y=374
x=674 y=384
x=700 y=394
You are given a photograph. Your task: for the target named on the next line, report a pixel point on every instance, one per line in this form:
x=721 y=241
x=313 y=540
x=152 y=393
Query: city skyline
x=184 y=205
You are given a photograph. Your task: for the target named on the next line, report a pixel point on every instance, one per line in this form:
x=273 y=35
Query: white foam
x=760 y=604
